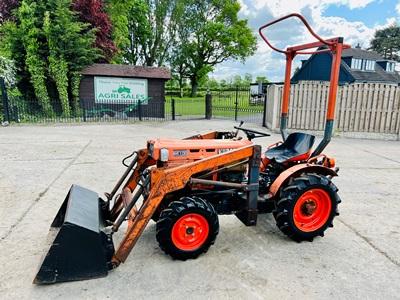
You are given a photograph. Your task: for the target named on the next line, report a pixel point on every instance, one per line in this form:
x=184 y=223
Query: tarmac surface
x=357 y=259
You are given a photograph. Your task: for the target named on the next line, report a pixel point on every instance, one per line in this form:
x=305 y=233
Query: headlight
x=164 y=153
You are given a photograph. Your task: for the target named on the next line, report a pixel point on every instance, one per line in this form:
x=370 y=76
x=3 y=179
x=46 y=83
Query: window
x=356 y=63
x=390 y=67
x=363 y=64
x=369 y=65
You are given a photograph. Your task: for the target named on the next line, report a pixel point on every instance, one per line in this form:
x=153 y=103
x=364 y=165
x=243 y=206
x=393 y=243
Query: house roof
x=127 y=71
x=362 y=54
x=379 y=75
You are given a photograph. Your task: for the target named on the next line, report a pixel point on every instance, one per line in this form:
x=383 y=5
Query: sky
x=355 y=20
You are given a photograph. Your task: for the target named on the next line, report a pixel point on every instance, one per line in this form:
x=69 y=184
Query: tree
x=237 y=80
x=180 y=68
x=216 y=35
x=93 y=12
x=261 y=79
x=211 y=83
x=143 y=29
x=163 y=19
x=387 y=42
x=7 y=71
x=223 y=83
x=248 y=79
x=30 y=35
x=178 y=56
x=70 y=49
x=7 y=8
x=50 y=46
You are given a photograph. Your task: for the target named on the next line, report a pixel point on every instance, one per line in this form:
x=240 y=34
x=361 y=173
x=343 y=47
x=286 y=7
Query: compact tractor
x=184 y=184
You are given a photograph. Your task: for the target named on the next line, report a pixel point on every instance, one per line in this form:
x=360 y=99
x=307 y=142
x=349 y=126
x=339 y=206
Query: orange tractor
x=184 y=185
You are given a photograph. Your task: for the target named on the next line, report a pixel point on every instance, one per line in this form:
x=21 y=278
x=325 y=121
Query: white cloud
x=244 y=9
x=280 y=7
x=289 y=32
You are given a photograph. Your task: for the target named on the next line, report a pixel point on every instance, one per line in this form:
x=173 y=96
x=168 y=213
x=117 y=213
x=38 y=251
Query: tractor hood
x=175 y=149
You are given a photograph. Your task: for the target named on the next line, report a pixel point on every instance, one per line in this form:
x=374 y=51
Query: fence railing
x=360 y=107
x=202 y=91
x=236 y=104
x=21 y=110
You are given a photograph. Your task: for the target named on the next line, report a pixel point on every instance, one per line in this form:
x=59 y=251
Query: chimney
x=358 y=46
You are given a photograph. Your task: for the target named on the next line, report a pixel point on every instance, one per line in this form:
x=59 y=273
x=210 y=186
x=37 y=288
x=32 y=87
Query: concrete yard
x=357 y=259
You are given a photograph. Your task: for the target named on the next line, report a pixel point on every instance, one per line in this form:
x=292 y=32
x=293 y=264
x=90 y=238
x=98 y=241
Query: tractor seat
x=297 y=147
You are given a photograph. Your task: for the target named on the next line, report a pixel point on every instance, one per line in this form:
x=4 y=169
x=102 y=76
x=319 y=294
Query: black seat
x=296 y=145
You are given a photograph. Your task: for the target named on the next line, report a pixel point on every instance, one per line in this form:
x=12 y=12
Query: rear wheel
x=187 y=228
x=306 y=207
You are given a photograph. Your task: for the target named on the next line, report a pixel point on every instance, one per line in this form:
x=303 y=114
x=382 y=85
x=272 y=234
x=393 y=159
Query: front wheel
x=306 y=207
x=187 y=228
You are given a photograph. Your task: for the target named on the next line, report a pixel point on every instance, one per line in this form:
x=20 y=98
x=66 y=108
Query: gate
x=185 y=108
x=239 y=104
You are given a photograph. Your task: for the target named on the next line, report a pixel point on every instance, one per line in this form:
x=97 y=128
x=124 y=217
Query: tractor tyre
x=187 y=228
x=306 y=207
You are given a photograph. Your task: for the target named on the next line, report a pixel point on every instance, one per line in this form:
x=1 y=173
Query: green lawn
x=223 y=106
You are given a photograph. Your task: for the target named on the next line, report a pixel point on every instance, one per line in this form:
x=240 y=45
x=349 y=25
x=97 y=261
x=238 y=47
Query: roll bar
x=334 y=46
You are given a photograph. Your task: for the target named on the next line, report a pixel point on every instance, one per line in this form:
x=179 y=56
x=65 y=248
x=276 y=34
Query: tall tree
x=70 y=48
x=30 y=34
x=178 y=57
x=50 y=46
x=7 y=8
x=163 y=18
x=386 y=42
x=143 y=30
x=130 y=29
x=216 y=35
x=93 y=12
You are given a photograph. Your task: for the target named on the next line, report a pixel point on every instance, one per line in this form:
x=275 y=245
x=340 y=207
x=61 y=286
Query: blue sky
x=374 y=13
x=355 y=20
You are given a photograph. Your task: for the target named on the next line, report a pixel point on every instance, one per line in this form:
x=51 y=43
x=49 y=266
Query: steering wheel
x=252 y=134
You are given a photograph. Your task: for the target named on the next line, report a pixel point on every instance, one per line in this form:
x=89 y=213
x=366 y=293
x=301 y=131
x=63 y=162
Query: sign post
x=120 y=90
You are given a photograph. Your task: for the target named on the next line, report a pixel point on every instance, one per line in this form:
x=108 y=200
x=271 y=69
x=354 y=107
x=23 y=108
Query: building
x=123 y=91
x=357 y=65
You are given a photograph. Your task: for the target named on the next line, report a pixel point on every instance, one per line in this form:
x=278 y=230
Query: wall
x=156 y=93
x=369 y=109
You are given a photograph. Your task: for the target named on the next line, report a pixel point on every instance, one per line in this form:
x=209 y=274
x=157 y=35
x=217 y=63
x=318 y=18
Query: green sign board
x=120 y=90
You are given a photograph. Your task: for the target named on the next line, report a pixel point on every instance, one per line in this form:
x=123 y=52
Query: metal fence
x=234 y=104
x=21 y=110
x=185 y=108
x=238 y=104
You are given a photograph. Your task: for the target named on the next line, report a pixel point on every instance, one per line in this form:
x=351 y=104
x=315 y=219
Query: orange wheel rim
x=312 y=210
x=190 y=232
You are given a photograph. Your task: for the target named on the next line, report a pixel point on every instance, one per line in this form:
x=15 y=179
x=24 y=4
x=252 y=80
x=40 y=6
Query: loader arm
x=164 y=181
x=143 y=161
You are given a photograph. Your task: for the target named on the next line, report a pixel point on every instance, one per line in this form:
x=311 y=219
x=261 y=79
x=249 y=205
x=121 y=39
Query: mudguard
x=297 y=170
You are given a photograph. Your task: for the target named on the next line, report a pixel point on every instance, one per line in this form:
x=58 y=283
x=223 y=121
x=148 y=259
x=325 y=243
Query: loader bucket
x=81 y=249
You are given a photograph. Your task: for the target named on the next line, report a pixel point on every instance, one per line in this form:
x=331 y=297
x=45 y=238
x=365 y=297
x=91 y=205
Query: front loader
x=183 y=185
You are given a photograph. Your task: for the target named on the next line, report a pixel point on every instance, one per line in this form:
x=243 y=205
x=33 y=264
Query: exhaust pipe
x=81 y=249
